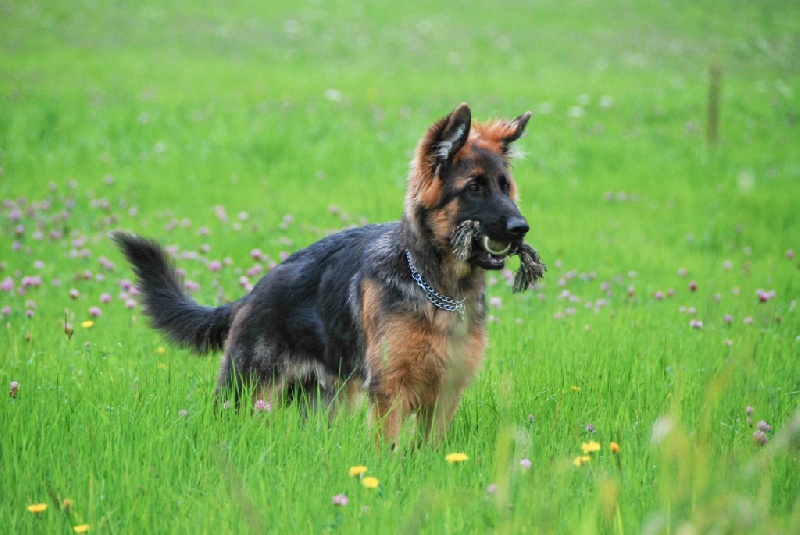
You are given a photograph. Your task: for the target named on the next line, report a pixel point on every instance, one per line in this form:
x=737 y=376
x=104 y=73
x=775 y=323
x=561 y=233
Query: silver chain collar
x=438 y=300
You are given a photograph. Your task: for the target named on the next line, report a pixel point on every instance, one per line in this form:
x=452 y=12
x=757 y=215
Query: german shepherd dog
x=396 y=310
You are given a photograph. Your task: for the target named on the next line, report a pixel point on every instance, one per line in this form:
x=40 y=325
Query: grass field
x=667 y=323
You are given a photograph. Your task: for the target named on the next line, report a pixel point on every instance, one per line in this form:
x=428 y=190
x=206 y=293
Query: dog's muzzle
x=471 y=245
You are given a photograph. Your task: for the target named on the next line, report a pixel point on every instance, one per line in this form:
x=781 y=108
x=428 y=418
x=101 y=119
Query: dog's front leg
x=435 y=420
x=388 y=416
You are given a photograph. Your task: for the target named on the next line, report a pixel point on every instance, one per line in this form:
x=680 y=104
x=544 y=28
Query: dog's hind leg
x=270 y=394
x=250 y=373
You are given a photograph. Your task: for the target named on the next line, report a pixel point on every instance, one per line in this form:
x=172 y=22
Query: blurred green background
x=300 y=118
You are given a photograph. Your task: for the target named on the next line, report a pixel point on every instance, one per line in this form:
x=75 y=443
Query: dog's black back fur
x=307 y=306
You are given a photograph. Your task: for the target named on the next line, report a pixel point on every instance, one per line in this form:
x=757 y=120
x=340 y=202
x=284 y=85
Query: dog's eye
x=476 y=184
x=505 y=187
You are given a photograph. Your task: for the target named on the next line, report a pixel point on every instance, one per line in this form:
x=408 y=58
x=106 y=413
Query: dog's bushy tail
x=181 y=318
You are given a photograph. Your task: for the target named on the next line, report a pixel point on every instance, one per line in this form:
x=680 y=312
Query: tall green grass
x=299 y=120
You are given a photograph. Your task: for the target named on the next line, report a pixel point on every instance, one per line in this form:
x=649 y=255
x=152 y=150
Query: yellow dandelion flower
x=614 y=447
x=580 y=461
x=370 y=482
x=87 y=324
x=357 y=470
x=37 y=507
x=83 y=528
x=160 y=350
x=576 y=388
x=456 y=457
x=590 y=447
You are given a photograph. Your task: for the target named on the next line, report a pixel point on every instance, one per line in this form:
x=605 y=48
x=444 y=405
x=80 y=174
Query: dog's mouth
x=496 y=248
x=489 y=253
x=472 y=245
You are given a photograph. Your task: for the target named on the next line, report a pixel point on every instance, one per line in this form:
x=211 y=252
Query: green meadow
x=237 y=132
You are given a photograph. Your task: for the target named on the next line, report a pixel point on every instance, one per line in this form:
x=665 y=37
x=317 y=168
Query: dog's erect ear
x=449 y=136
x=515 y=130
x=437 y=150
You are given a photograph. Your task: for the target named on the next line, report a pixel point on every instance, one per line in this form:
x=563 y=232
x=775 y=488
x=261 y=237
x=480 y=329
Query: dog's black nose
x=517 y=226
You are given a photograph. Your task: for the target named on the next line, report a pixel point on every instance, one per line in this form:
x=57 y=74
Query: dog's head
x=460 y=173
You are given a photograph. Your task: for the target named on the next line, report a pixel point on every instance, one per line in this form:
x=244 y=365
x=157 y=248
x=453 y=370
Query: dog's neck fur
x=436 y=262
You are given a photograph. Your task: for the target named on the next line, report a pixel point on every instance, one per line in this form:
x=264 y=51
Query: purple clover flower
x=35 y=280
x=760 y=438
x=191 y=286
x=7 y=285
